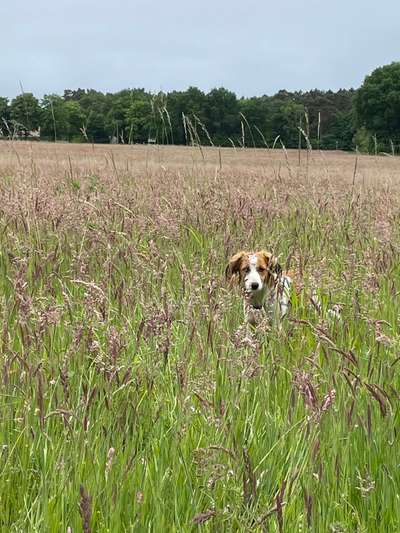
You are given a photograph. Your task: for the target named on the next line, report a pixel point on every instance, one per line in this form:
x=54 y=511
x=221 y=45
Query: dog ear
x=273 y=266
x=233 y=266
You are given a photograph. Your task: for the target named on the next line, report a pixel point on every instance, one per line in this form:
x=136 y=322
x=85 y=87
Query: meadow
x=133 y=398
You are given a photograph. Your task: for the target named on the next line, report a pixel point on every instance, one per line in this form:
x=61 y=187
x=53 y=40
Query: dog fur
x=265 y=286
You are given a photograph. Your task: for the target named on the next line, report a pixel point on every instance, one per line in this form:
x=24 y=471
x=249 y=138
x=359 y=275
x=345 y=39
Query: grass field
x=132 y=397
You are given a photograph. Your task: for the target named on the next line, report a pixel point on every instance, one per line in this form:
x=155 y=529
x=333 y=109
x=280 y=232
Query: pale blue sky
x=251 y=47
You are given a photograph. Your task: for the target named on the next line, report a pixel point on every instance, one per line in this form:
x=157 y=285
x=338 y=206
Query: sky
x=250 y=47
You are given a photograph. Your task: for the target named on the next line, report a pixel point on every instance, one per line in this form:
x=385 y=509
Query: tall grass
x=134 y=399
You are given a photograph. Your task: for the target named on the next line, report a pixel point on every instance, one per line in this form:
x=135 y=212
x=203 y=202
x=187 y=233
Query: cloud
x=251 y=47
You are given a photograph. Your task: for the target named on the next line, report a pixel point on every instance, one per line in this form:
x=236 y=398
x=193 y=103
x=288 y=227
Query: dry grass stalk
x=85 y=508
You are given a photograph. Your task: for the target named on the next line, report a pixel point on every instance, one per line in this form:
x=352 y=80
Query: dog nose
x=254 y=286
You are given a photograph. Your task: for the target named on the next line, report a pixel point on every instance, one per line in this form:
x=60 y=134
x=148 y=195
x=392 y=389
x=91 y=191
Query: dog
x=266 y=287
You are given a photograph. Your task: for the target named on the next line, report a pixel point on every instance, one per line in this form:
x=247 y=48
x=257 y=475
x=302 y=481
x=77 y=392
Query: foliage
x=377 y=103
x=222 y=115
x=287 y=118
x=4 y=113
x=329 y=120
x=25 y=112
x=363 y=140
x=341 y=133
x=183 y=117
x=140 y=118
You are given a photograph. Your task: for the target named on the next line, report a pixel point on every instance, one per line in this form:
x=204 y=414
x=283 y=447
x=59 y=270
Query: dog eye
x=246 y=270
x=261 y=269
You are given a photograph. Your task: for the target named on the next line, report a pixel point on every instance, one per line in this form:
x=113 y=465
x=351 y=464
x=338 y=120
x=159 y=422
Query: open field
x=132 y=397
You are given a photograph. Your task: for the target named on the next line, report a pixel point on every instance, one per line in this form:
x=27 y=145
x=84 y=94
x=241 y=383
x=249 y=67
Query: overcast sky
x=251 y=47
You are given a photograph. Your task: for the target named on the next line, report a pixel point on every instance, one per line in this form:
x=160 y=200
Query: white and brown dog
x=266 y=287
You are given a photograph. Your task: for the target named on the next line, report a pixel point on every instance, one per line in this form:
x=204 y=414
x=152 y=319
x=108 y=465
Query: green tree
x=139 y=116
x=117 y=121
x=94 y=106
x=286 y=117
x=377 y=103
x=341 y=133
x=74 y=94
x=4 y=116
x=25 y=112
x=192 y=104
x=258 y=117
x=61 y=119
x=54 y=120
x=223 y=119
x=76 y=119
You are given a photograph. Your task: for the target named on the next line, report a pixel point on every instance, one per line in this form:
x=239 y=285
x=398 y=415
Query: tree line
x=367 y=118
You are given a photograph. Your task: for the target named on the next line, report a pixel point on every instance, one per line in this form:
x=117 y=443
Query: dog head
x=255 y=270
